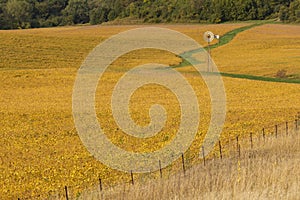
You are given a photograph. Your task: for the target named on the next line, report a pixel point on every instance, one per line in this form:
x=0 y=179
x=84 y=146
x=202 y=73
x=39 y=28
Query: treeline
x=47 y=13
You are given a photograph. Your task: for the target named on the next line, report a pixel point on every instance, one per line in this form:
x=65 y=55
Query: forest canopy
x=46 y=13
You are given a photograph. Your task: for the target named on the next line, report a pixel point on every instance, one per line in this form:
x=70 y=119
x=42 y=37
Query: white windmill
x=209 y=37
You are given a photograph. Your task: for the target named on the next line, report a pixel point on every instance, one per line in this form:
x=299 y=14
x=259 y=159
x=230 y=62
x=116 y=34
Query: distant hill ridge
x=47 y=13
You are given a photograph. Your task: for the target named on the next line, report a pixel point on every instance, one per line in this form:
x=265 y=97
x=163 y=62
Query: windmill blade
x=208 y=36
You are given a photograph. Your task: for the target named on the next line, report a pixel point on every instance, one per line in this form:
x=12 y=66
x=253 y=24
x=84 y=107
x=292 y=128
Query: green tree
x=44 y=13
x=77 y=12
x=283 y=13
x=49 y=12
x=19 y=12
x=3 y=21
x=294 y=11
x=98 y=11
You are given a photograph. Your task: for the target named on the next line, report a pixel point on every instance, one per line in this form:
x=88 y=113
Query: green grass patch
x=225 y=39
x=261 y=78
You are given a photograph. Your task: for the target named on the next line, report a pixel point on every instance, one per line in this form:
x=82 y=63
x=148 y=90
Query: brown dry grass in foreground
x=269 y=171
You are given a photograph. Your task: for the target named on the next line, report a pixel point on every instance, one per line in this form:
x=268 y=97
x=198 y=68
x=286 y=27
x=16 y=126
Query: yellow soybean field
x=263 y=51
x=40 y=149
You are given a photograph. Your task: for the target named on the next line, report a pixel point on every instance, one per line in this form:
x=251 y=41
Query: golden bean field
x=40 y=149
x=263 y=51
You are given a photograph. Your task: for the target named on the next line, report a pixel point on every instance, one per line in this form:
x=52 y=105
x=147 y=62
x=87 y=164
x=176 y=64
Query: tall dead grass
x=268 y=171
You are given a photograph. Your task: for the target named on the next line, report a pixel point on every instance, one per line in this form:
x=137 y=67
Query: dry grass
x=263 y=50
x=41 y=151
x=268 y=171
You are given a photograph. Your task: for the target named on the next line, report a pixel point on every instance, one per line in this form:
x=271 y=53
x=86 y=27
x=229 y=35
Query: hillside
x=41 y=151
x=32 y=13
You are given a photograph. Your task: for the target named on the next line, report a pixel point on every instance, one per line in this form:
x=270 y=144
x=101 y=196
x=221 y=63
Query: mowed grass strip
x=262 y=51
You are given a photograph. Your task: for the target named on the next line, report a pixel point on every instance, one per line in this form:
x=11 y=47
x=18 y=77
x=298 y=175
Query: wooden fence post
x=287 y=128
x=66 y=190
x=276 y=130
x=251 y=140
x=237 y=142
x=160 y=169
x=263 y=132
x=183 y=164
x=132 y=180
x=100 y=184
x=203 y=155
x=220 y=148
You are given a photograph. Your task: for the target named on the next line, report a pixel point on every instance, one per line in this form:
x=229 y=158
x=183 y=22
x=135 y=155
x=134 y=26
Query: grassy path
x=260 y=78
x=228 y=37
x=225 y=39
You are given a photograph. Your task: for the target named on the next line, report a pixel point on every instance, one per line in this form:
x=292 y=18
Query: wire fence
x=226 y=148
